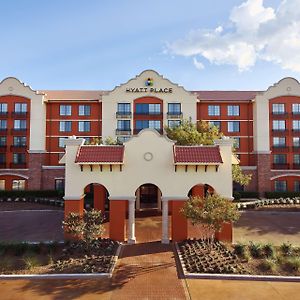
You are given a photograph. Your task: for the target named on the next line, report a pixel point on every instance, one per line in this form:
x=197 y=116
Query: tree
x=211 y=212
x=87 y=228
x=187 y=133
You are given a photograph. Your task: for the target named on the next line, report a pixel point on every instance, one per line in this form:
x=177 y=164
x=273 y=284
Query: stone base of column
x=165 y=241
x=131 y=241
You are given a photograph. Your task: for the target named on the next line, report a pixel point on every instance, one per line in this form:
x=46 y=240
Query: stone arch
x=96 y=196
x=14 y=181
x=201 y=190
x=148 y=196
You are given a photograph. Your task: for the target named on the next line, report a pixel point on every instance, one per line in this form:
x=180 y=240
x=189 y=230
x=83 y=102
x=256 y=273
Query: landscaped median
x=58 y=260
x=204 y=258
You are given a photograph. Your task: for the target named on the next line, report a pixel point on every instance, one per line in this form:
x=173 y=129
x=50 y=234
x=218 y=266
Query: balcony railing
x=3 y=114
x=280 y=166
x=136 y=131
x=123 y=131
x=3 y=148
x=3 y=165
x=123 y=115
x=18 y=130
x=19 y=114
x=280 y=148
x=296 y=148
x=153 y=113
x=18 y=148
x=279 y=113
x=3 y=131
x=18 y=165
x=279 y=131
x=174 y=115
x=296 y=166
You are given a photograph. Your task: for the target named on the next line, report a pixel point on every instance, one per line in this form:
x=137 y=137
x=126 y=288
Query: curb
x=66 y=276
x=233 y=276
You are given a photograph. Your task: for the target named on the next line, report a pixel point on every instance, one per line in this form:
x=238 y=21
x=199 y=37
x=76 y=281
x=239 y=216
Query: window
x=173 y=123
x=174 y=108
x=20 y=107
x=19 y=158
x=2 y=185
x=2 y=158
x=19 y=141
x=124 y=108
x=279 y=125
x=123 y=125
x=280 y=185
x=65 y=110
x=296 y=186
x=278 y=108
x=18 y=185
x=233 y=126
x=233 y=110
x=84 y=110
x=236 y=142
x=84 y=126
x=279 y=142
x=65 y=126
x=296 y=141
x=213 y=110
x=3 y=108
x=19 y=124
x=2 y=141
x=141 y=124
x=296 y=125
x=148 y=109
x=215 y=123
x=61 y=142
x=122 y=139
x=297 y=159
x=59 y=184
x=279 y=159
x=296 y=108
x=3 y=124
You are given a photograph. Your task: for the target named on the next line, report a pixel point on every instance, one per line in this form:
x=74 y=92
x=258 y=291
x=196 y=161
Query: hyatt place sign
x=149 y=82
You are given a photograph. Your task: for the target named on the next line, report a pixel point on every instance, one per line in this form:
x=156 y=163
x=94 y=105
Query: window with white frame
x=233 y=110
x=3 y=141
x=236 y=142
x=2 y=185
x=215 y=123
x=296 y=108
x=20 y=141
x=59 y=184
x=65 y=110
x=19 y=158
x=296 y=125
x=123 y=125
x=279 y=125
x=18 y=185
x=174 y=108
x=84 y=110
x=278 y=108
x=124 y=108
x=84 y=126
x=296 y=186
x=2 y=158
x=233 y=126
x=280 y=186
x=3 y=108
x=279 y=142
x=280 y=159
x=214 y=110
x=65 y=126
x=297 y=159
x=20 y=124
x=20 y=107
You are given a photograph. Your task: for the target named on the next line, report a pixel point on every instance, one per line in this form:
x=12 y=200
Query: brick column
x=117 y=215
x=99 y=197
x=225 y=234
x=179 y=222
x=35 y=162
x=263 y=162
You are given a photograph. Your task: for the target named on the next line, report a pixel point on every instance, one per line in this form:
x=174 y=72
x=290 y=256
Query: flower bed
x=202 y=257
x=57 y=258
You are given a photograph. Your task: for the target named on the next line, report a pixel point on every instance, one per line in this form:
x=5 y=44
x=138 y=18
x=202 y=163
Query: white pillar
x=131 y=221
x=138 y=202
x=165 y=222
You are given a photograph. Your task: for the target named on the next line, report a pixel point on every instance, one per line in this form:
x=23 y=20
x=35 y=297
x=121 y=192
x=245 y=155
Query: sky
x=99 y=44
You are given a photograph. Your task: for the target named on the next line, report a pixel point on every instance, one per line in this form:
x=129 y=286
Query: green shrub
x=269 y=250
x=274 y=195
x=246 y=194
x=19 y=248
x=268 y=265
x=286 y=249
x=256 y=250
x=236 y=195
x=31 y=193
x=240 y=249
x=292 y=263
x=31 y=262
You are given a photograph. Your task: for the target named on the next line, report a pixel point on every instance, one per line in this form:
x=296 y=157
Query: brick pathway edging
x=232 y=276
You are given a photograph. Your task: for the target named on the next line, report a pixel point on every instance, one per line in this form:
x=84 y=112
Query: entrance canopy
x=148 y=157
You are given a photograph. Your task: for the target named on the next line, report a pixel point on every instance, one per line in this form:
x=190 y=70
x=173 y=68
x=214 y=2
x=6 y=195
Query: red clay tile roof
x=197 y=155
x=225 y=95
x=100 y=154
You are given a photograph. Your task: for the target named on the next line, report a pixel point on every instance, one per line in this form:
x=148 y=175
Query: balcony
x=296 y=148
x=279 y=131
x=280 y=114
x=18 y=148
x=18 y=165
x=3 y=148
x=136 y=131
x=123 y=115
x=153 y=113
x=123 y=131
x=2 y=165
x=3 y=131
x=19 y=114
x=296 y=131
x=174 y=115
x=3 y=114
x=17 y=131
x=280 y=148
x=280 y=166
x=296 y=166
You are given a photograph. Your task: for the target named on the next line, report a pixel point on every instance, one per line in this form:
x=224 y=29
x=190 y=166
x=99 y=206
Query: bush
x=31 y=262
x=236 y=195
x=240 y=249
x=256 y=250
x=293 y=263
x=286 y=249
x=268 y=265
x=31 y=193
x=246 y=194
x=269 y=250
x=275 y=195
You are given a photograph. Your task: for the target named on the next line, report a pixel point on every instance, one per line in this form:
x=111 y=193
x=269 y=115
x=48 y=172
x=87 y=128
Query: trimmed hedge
x=275 y=195
x=247 y=194
x=31 y=193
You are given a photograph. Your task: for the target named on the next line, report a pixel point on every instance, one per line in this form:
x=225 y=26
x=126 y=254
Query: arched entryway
x=148 y=196
x=96 y=196
x=201 y=190
x=15 y=182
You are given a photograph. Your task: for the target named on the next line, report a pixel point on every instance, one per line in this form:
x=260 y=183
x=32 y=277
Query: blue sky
x=202 y=45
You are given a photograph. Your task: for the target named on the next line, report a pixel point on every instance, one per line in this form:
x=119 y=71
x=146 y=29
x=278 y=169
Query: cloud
x=199 y=65
x=253 y=32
